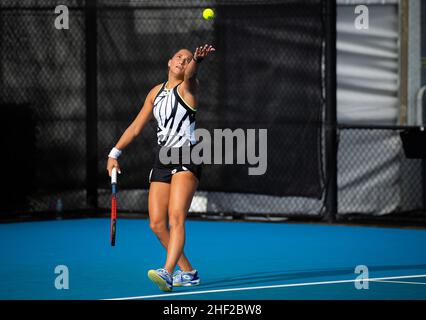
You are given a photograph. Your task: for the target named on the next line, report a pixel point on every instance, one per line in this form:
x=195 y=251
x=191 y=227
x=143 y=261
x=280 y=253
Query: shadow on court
x=276 y=276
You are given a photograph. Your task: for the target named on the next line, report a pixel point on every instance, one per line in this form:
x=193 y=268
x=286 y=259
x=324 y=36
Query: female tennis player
x=172 y=186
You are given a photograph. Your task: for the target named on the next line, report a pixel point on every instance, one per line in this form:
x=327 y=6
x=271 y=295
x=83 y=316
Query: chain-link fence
x=375 y=177
x=267 y=73
x=42 y=97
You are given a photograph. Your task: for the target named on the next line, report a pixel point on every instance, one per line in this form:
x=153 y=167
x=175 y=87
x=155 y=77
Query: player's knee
x=158 y=227
x=176 y=218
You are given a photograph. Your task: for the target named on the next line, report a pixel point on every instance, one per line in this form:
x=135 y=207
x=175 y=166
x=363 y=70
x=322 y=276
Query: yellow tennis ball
x=208 y=14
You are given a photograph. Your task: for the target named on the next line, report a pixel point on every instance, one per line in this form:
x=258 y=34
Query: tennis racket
x=113 y=205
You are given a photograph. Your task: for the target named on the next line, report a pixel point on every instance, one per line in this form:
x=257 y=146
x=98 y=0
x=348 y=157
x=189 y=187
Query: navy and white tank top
x=175 y=118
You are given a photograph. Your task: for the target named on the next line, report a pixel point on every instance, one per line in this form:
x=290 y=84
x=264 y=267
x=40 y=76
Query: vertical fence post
x=91 y=104
x=331 y=111
x=423 y=83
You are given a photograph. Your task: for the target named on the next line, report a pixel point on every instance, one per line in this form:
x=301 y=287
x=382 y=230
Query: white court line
x=402 y=282
x=267 y=287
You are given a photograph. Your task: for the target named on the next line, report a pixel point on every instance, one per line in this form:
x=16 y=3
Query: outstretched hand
x=203 y=51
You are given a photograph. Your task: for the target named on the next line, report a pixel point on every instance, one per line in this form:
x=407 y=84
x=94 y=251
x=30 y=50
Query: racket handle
x=114 y=175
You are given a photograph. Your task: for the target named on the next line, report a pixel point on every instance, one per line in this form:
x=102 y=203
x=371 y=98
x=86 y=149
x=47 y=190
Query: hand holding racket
x=112 y=163
x=113 y=205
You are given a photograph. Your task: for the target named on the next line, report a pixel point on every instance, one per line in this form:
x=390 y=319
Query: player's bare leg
x=182 y=189
x=158 y=204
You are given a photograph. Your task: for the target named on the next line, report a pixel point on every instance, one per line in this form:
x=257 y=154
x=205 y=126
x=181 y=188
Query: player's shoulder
x=191 y=86
x=155 y=90
x=157 y=87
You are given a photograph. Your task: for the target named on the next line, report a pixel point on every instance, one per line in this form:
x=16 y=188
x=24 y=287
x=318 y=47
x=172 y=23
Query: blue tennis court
x=236 y=260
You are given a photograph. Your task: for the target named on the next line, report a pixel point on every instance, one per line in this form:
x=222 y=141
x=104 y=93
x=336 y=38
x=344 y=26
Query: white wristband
x=114 y=153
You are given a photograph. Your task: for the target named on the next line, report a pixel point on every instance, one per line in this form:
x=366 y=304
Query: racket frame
x=113 y=228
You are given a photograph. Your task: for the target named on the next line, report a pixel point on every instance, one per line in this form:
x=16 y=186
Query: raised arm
x=133 y=130
x=190 y=79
